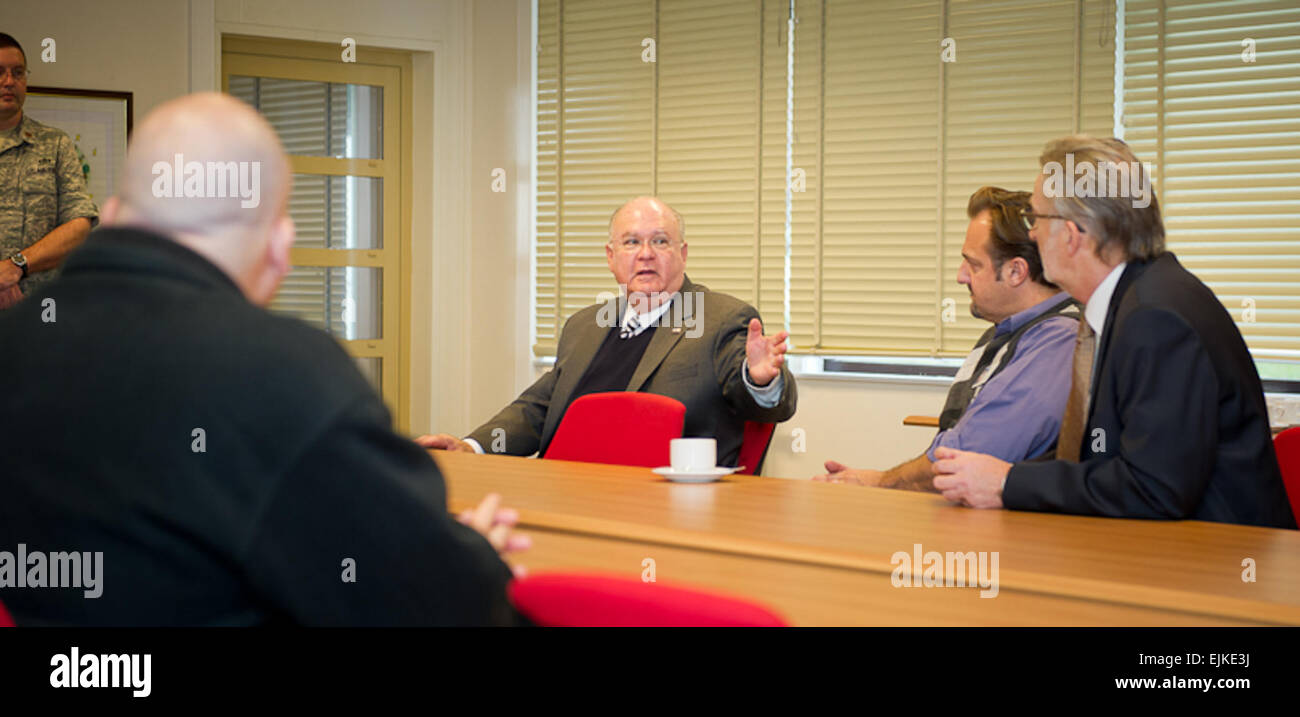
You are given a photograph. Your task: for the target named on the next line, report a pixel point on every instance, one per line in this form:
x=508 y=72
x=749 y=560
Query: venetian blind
x=887 y=143
x=595 y=133
x=679 y=98
x=1212 y=103
x=909 y=136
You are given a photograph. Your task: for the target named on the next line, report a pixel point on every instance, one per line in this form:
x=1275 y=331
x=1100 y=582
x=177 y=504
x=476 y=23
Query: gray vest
x=990 y=355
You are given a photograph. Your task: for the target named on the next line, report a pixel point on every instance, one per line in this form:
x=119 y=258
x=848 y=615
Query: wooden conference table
x=820 y=553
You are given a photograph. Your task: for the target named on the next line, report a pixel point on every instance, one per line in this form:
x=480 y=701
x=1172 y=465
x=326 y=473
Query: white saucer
x=706 y=475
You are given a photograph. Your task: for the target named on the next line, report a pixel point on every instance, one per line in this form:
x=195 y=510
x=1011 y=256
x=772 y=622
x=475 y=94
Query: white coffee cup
x=694 y=454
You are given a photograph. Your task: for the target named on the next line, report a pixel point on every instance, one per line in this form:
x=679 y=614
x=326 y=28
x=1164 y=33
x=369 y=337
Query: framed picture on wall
x=98 y=122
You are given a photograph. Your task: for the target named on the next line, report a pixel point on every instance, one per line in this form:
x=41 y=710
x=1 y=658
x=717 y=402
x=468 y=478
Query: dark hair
x=1008 y=237
x=9 y=41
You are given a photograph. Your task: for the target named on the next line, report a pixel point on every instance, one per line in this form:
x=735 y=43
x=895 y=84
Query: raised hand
x=765 y=354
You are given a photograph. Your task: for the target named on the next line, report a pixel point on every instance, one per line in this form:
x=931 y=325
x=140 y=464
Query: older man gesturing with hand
x=664 y=334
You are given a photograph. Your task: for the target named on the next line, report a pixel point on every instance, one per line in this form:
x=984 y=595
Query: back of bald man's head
x=205 y=165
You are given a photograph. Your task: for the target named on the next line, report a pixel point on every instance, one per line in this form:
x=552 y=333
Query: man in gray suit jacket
x=669 y=336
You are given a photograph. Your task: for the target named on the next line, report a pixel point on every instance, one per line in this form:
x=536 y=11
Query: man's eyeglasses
x=18 y=73
x=1030 y=218
x=629 y=245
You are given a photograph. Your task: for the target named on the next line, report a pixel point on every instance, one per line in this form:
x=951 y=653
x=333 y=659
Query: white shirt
x=1099 y=304
x=646 y=320
x=765 y=396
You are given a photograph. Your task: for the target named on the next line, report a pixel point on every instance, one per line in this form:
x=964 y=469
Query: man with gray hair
x=1166 y=414
x=234 y=467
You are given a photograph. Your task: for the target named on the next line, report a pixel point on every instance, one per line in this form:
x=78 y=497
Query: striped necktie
x=629 y=327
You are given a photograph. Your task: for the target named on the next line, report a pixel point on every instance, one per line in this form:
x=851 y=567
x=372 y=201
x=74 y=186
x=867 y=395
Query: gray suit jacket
x=697 y=361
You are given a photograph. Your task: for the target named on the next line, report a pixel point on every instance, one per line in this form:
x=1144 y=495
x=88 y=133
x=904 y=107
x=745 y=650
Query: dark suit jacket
x=702 y=371
x=1177 y=426
x=297 y=469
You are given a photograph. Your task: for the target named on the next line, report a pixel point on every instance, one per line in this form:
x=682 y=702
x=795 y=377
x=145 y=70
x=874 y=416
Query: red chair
x=620 y=427
x=5 y=619
x=753 y=447
x=584 y=600
x=1287 y=446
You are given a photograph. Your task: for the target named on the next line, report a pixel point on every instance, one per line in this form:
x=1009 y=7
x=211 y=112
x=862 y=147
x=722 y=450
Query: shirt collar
x=1018 y=319
x=140 y=252
x=1099 y=302
x=645 y=320
x=17 y=134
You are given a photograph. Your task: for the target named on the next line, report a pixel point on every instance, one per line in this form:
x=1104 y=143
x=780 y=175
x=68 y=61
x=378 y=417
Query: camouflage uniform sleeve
x=73 y=200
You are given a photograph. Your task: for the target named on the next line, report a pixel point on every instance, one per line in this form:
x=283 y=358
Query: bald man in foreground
x=203 y=461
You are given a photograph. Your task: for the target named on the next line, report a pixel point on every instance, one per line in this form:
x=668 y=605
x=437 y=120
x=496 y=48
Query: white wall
x=138 y=46
x=857 y=422
x=500 y=230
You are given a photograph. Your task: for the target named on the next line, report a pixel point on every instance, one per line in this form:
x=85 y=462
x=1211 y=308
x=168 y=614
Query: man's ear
x=282 y=236
x=275 y=261
x=1015 y=272
x=683 y=252
x=1077 y=240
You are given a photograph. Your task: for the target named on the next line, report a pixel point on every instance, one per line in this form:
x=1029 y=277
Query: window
x=1211 y=100
x=884 y=141
x=341 y=125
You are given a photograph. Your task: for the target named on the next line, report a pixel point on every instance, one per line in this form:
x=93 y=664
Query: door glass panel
x=332 y=212
x=346 y=301
x=372 y=367
x=318 y=119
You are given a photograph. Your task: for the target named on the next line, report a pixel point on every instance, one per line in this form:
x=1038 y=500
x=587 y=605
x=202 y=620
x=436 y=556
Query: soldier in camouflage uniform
x=45 y=211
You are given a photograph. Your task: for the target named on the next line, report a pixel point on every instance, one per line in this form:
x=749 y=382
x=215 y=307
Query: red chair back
x=620 y=427
x=1287 y=446
x=5 y=619
x=584 y=600
x=753 y=447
